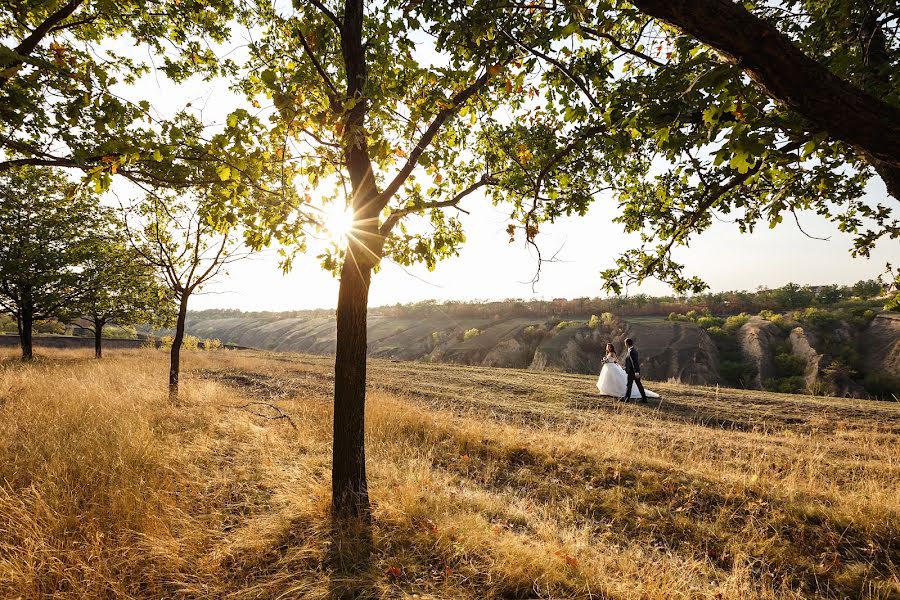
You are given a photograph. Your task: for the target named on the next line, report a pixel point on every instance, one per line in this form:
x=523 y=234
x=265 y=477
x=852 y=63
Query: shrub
x=673 y=316
x=470 y=333
x=190 y=342
x=120 y=332
x=735 y=322
x=595 y=322
x=212 y=344
x=788 y=365
x=820 y=318
x=708 y=322
x=883 y=386
x=51 y=326
x=165 y=342
x=567 y=324
x=786 y=385
x=736 y=373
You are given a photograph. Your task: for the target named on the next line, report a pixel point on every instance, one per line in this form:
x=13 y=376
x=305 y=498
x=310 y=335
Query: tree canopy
x=45 y=233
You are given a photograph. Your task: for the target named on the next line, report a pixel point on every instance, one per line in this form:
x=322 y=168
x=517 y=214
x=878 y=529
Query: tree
x=396 y=136
x=66 y=89
x=45 y=225
x=116 y=285
x=867 y=288
x=189 y=242
x=727 y=126
x=595 y=96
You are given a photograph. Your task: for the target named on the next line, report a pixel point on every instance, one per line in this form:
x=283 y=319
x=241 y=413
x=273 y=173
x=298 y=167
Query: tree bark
x=769 y=57
x=98 y=338
x=349 y=488
x=26 y=324
x=175 y=353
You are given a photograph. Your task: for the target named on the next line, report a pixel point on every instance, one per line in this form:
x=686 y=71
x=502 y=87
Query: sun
x=338 y=222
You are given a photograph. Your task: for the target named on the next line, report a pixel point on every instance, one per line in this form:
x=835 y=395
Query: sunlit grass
x=110 y=491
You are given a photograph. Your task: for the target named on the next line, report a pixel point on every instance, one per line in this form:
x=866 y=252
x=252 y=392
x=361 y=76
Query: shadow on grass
x=350 y=560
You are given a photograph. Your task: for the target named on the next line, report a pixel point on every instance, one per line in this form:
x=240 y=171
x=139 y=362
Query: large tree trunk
x=350 y=496
x=769 y=57
x=26 y=324
x=349 y=489
x=98 y=338
x=175 y=353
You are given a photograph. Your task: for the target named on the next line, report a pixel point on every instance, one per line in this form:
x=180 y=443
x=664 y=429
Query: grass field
x=486 y=484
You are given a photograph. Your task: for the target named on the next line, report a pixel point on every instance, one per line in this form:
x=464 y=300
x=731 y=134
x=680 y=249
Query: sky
x=489 y=267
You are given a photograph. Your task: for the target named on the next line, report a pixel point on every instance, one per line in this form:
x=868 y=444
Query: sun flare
x=338 y=222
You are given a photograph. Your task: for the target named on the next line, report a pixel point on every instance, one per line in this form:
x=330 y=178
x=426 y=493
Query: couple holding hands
x=617 y=381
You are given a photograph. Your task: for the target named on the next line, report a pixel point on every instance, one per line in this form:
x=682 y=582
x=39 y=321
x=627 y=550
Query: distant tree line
x=869 y=293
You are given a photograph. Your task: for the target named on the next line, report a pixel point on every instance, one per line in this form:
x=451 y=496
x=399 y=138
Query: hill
x=848 y=352
x=487 y=483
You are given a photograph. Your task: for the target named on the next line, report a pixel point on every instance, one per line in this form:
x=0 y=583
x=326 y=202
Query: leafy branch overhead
x=62 y=105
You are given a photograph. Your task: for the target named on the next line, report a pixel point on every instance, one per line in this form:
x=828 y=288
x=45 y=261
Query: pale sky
x=490 y=268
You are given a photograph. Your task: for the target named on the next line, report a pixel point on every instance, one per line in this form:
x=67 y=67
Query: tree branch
x=327 y=12
x=332 y=94
x=622 y=47
x=27 y=46
x=391 y=221
x=787 y=74
x=455 y=102
x=558 y=64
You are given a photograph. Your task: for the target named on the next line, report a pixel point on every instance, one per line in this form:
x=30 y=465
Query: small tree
x=45 y=223
x=117 y=286
x=189 y=241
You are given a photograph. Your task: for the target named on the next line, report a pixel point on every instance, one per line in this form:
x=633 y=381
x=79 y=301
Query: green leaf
x=224 y=172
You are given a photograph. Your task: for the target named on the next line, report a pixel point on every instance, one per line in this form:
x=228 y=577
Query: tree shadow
x=350 y=559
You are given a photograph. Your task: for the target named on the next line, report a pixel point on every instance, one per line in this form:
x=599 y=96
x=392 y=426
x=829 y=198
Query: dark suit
x=633 y=368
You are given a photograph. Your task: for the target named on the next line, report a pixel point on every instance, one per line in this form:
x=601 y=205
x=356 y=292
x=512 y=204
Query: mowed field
x=486 y=483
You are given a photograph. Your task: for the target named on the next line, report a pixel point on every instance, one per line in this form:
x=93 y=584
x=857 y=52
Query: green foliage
x=788 y=365
x=569 y=325
x=46 y=224
x=120 y=332
x=211 y=344
x=190 y=342
x=868 y=288
x=793 y=296
x=471 y=333
x=736 y=373
x=883 y=386
x=786 y=385
x=117 y=285
x=69 y=91
x=594 y=322
x=732 y=368
x=735 y=322
x=706 y=322
x=819 y=318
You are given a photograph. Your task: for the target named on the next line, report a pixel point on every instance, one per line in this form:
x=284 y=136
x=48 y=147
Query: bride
x=612 y=380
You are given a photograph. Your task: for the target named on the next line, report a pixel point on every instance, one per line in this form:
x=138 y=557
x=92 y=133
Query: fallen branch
x=281 y=413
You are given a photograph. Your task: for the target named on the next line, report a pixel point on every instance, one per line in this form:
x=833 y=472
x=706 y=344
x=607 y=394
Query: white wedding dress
x=613 y=380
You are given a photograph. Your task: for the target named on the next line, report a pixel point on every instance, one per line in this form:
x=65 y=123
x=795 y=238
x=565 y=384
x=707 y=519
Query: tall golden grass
x=110 y=491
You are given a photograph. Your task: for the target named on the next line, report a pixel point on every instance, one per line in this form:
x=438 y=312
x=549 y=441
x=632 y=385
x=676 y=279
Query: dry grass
x=487 y=484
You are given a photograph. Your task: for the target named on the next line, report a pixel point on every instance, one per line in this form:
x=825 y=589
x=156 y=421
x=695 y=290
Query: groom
x=633 y=369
